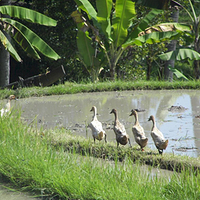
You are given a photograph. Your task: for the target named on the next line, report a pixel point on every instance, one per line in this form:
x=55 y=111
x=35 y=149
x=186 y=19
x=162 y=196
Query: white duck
x=121 y=136
x=96 y=126
x=158 y=138
x=7 y=107
x=138 y=131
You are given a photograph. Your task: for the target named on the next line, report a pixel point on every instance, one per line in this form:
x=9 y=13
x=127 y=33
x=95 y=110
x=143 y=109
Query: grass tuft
x=73 y=88
x=48 y=163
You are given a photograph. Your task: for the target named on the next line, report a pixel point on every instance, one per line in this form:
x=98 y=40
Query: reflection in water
x=73 y=112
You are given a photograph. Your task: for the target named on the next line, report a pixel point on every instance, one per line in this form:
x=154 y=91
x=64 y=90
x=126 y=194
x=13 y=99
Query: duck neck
x=136 y=118
x=95 y=114
x=154 y=123
x=116 y=116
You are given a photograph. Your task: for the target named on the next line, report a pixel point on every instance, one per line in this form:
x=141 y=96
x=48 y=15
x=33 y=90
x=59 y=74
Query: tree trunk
x=197 y=48
x=112 y=69
x=171 y=47
x=4 y=57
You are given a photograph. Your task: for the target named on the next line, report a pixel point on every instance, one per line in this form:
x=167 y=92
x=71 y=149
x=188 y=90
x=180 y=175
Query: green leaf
x=103 y=16
x=152 y=38
x=180 y=54
x=35 y=40
x=125 y=11
x=27 y=14
x=87 y=7
x=173 y=26
x=6 y=43
x=21 y=39
x=144 y=23
x=178 y=73
x=85 y=48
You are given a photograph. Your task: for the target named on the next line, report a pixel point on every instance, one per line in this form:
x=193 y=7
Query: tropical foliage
x=62 y=38
x=193 y=38
x=115 y=28
x=27 y=39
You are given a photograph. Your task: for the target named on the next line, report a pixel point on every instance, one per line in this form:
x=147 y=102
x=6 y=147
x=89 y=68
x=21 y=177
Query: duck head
x=133 y=112
x=151 y=118
x=93 y=108
x=113 y=111
x=12 y=97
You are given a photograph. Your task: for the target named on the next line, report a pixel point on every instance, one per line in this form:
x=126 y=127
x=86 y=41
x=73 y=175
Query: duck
x=160 y=142
x=121 y=136
x=7 y=107
x=138 y=131
x=96 y=126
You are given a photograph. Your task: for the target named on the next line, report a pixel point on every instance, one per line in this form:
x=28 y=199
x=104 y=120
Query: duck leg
x=117 y=144
x=105 y=138
x=160 y=151
x=129 y=142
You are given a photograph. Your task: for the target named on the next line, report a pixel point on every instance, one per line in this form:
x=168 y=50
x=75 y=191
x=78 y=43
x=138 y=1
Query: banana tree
x=12 y=31
x=89 y=54
x=114 y=30
x=194 y=33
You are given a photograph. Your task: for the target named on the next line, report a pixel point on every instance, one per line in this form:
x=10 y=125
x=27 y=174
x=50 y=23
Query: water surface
x=73 y=112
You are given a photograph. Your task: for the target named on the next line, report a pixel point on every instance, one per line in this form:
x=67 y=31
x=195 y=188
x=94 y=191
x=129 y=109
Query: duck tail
x=124 y=140
x=101 y=135
x=144 y=141
x=165 y=144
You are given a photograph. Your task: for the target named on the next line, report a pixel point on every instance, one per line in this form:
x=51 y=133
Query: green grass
x=46 y=162
x=72 y=88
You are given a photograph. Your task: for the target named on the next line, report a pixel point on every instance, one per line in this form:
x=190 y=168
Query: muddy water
x=182 y=128
x=6 y=194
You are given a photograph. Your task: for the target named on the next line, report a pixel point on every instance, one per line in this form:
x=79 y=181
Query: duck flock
x=122 y=137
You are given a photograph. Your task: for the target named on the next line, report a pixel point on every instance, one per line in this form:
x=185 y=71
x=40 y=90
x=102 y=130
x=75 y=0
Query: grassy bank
x=47 y=162
x=73 y=88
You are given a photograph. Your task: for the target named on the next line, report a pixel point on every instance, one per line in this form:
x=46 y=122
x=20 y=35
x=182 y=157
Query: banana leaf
x=125 y=11
x=152 y=38
x=144 y=23
x=33 y=39
x=164 y=27
x=27 y=14
x=103 y=16
x=21 y=39
x=86 y=6
x=6 y=43
x=85 y=48
x=178 y=73
x=180 y=54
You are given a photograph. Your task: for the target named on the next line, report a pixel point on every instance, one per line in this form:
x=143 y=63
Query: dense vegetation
x=133 y=65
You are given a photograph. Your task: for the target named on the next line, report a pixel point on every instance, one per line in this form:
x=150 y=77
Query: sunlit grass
x=73 y=88
x=31 y=159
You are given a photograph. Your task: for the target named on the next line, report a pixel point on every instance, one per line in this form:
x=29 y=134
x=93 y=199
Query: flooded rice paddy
x=181 y=126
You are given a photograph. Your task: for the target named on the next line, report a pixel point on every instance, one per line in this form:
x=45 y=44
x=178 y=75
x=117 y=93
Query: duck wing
x=138 y=131
x=159 y=140
x=96 y=127
x=119 y=129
